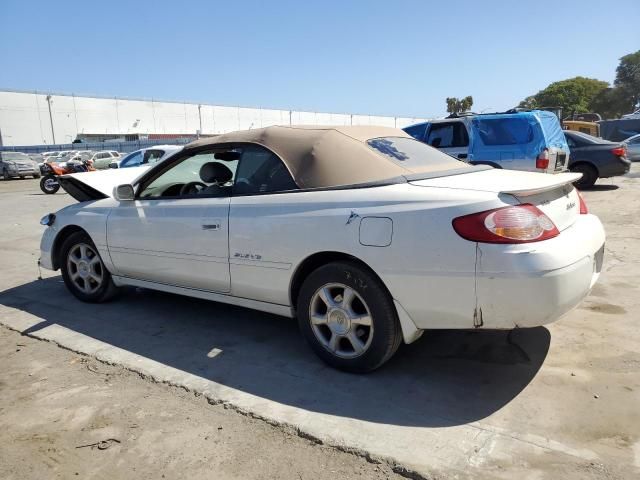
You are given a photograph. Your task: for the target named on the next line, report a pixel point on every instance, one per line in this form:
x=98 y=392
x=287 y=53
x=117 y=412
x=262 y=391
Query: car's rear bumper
x=534 y=284
x=612 y=169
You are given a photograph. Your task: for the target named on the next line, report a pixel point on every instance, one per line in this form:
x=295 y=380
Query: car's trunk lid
x=552 y=194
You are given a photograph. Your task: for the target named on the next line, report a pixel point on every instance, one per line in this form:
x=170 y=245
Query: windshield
x=13 y=156
x=410 y=153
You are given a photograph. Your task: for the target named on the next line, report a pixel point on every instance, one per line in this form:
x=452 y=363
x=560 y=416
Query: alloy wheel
x=341 y=320
x=85 y=268
x=50 y=183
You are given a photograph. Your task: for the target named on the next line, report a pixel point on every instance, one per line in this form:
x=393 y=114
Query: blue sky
x=379 y=57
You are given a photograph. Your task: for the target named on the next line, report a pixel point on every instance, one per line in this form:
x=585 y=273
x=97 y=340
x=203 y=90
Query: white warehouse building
x=43 y=118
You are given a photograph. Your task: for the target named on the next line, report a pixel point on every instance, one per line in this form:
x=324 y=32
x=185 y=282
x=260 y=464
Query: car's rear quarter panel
x=427 y=267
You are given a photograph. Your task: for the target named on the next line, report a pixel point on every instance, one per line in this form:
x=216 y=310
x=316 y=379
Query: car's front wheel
x=348 y=317
x=5 y=175
x=83 y=271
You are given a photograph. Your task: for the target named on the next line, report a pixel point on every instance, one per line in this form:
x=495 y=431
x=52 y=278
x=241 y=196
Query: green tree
x=572 y=94
x=610 y=103
x=456 y=105
x=627 y=82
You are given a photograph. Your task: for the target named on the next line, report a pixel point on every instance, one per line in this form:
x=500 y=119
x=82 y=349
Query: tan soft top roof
x=326 y=156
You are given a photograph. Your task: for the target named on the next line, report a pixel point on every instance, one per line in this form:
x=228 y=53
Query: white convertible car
x=364 y=234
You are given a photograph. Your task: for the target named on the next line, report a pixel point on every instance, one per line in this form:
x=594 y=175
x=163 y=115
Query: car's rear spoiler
x=545 y=183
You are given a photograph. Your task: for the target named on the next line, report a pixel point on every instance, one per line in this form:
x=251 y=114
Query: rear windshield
x=411 y=154
x=504 y=131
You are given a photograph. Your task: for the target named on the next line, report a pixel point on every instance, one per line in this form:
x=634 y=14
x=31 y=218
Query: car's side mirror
x=124 y=193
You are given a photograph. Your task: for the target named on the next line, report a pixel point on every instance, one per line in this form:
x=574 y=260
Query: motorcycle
x=51 y=171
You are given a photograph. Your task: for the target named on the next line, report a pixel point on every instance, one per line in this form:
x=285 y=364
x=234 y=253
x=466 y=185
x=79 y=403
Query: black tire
x=101 y=291
x=47 y=187
x=589 y=175
x=372 y=297
x=36 y=176
x=5 y=175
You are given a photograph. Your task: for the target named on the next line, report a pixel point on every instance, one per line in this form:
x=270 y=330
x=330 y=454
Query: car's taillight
x=583 y=205
x=619 y=151
x=517 y=224
x=542 y=161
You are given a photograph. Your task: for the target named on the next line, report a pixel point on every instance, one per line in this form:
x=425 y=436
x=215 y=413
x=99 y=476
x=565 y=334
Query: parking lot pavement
x=536 y=403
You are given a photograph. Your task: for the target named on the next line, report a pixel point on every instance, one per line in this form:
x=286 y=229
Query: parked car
x=145 y=156
x=17 y=165
x=634 y=115
x=595 y=158
x=633 y=148
x=365 y=234
x=36 y=157
x=515 y=140
x=101 y=160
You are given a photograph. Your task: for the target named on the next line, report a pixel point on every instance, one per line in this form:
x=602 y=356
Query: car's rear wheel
x=5 y=175
x=49 y=184
x=83 y=271
x=589 y=175
x=348 y=317
x=36 y=175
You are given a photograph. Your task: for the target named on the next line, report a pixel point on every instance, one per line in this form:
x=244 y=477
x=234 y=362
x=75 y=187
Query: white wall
x=24 y=117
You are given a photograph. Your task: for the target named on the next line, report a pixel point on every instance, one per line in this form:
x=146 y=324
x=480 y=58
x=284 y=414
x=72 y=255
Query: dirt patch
x=68 y=416
x=605 y=308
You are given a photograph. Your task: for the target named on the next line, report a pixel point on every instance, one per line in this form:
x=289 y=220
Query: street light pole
x=53 y=135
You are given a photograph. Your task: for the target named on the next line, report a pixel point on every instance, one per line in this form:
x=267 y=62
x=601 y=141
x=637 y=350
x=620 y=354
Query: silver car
x=15 y=164
x=633 y=148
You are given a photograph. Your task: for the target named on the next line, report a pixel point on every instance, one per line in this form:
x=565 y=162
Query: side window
x=132 y=160
x=447 y=135
x=261 y=171
x=152 y=156
x=417 y=131
x=504 y=131
x=570 y=141
x=204 y=173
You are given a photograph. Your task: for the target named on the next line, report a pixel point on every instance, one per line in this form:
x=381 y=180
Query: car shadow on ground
x=601 y=188
x=448 y=377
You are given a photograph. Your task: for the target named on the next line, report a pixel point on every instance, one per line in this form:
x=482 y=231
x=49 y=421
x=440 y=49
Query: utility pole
x=53 y=135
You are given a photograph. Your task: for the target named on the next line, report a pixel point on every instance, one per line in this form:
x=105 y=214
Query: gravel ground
x=56 y=407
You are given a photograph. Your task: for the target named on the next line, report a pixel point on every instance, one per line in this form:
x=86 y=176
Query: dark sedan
x=595 y=158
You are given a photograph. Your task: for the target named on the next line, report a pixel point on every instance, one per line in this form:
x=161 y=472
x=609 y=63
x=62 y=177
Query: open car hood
x=96 y=185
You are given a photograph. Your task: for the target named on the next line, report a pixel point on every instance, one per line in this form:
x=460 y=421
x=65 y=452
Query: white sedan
x=364 y=234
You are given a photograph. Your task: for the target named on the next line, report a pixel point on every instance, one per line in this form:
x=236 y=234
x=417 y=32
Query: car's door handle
x=211 y=226
x=462 y=155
